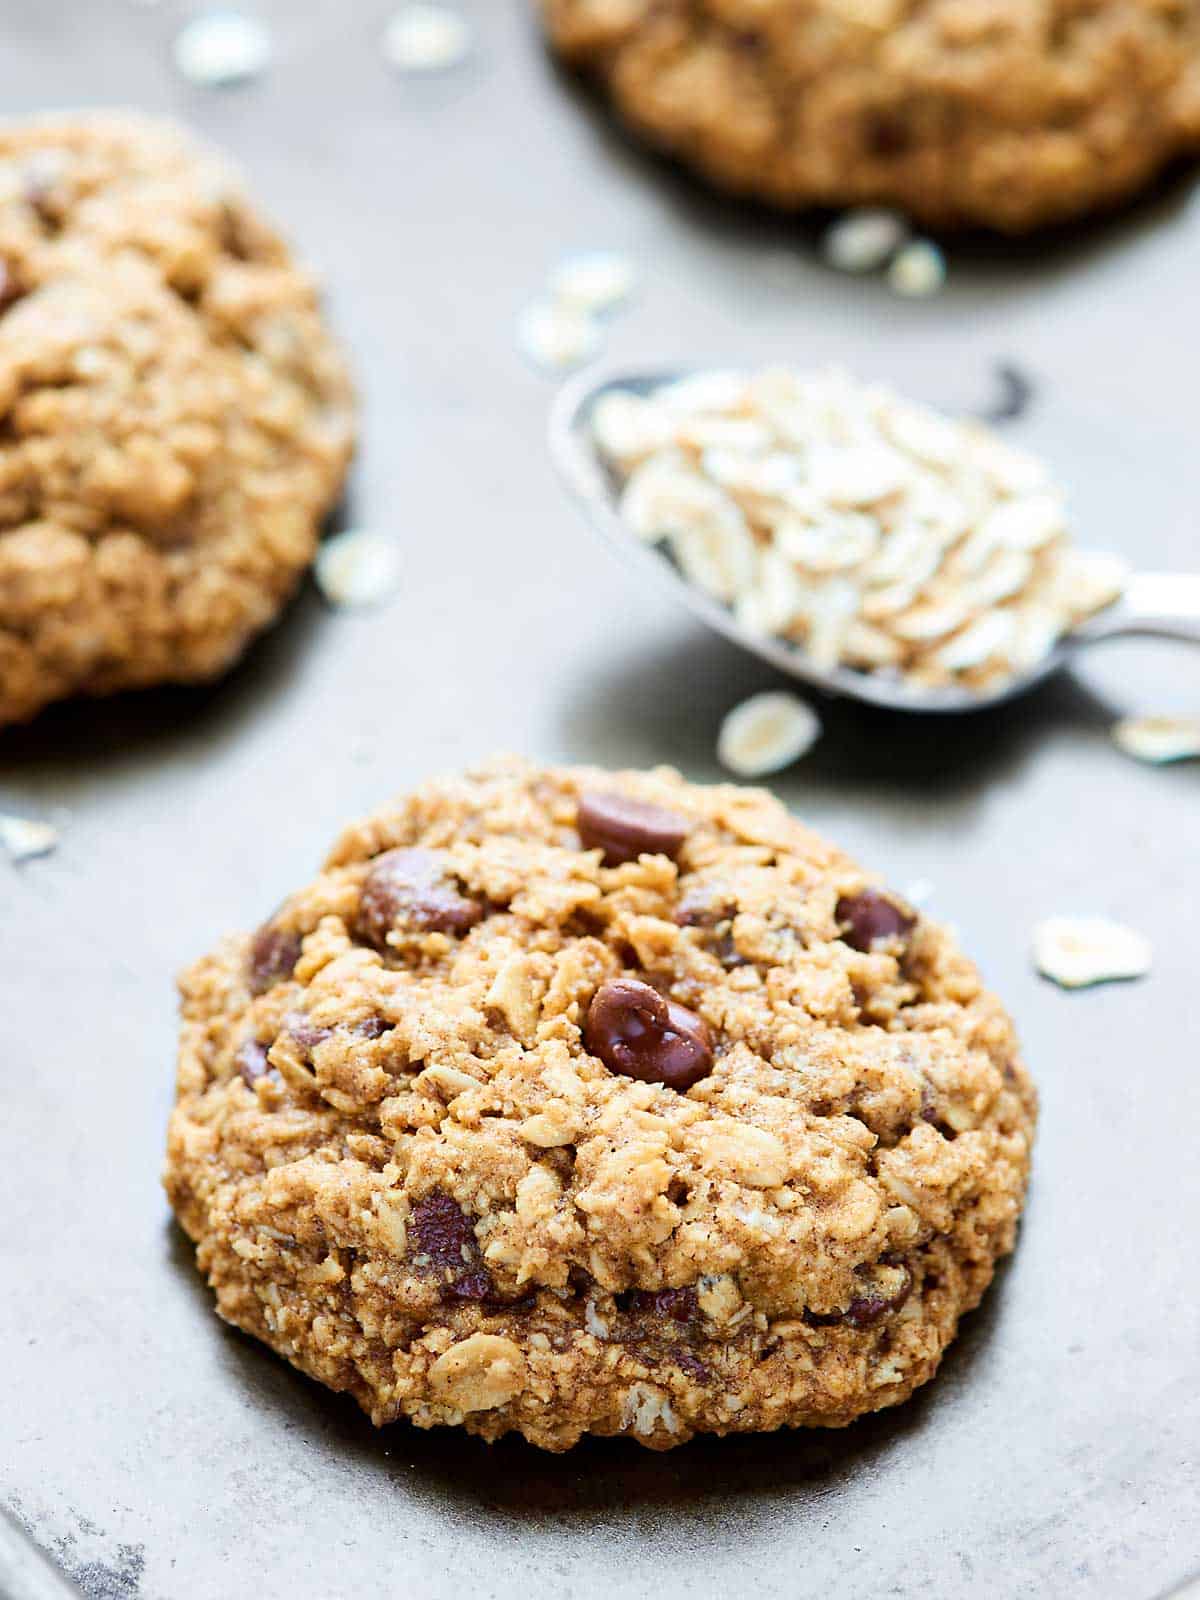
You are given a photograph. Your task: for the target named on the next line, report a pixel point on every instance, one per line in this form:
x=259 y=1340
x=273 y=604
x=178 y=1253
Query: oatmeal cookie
x=1006 y=113
x=566 y=1101
x=176 y=418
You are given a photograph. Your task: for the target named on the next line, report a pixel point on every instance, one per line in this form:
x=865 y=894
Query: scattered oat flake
x=357 y=568
x=222 y=47
x=1078 y=951
x=596 y=282
x=918 y=271
x=766 y=733
x=24 y=839
x=864 y=240
x=1158 y=739
x=426 y=38
x=556 y=337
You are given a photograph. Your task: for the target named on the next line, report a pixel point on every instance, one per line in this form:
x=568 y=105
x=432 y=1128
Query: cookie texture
x=502 y=1123
x=176 y=419
x=1005 y=113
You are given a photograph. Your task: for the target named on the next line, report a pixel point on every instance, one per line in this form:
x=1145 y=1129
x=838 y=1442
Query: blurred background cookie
x=1006 y=113
x=175 y=419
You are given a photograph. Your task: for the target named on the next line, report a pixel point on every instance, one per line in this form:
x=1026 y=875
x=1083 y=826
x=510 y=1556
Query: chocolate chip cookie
x=176 y=419
x=1006 y=113
x=567 y=1101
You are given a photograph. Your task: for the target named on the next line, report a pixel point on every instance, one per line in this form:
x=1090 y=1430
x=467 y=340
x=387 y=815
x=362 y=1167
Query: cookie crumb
x=219 y=48
x=864 y=240
x=918 y=271
x=25 y=839
x=766 y=733
x=1076 y=952
x=1158 y=740
x=357 y=568
x=426 y=38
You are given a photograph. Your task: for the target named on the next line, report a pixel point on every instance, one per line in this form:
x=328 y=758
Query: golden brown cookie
x=570 y=1102
x=1007 y=113
x=176 y=419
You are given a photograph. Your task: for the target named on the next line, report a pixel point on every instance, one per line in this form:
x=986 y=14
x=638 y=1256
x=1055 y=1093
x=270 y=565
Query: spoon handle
x=1164 y=605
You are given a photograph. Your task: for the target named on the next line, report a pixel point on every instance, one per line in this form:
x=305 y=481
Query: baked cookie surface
x=502 y=1123
x=1006 y=113
x=176 y=418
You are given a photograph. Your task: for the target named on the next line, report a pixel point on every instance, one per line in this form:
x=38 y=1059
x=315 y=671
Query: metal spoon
x=1161 y=605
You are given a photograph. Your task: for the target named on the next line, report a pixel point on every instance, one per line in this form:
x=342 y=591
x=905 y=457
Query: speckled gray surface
x=154 y=1453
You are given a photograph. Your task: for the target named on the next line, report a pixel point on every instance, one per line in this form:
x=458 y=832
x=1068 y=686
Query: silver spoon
x=1160 y=605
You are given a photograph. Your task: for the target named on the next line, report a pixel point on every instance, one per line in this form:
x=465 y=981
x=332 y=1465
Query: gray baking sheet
x=154 y=1453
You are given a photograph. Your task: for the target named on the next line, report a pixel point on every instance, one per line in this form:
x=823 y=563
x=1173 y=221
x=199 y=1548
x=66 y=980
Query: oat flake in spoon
x=870 y=530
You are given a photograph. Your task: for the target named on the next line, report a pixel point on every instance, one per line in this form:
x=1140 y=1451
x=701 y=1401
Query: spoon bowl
x=1162 y=605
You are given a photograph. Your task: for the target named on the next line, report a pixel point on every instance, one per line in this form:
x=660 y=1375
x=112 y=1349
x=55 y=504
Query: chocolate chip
x=441 y=1232
x=371 y=1027
x=251 y=1061
x=440 y=1229
x=273 y=956
x=634 y=1031
x=687 y=1361
x=701 y=908
x=411 y=889
x=679 y=1305
x=869 y=917
x=306 y=1035
x=626 y=829
x=472 y=1286
x=865 y=1310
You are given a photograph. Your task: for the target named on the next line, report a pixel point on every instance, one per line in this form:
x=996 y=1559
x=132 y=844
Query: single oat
x=219 y=48
x=24 y=838
x=357 y=568
x=766 y=733
x=1078 y=951
x=1158 y=739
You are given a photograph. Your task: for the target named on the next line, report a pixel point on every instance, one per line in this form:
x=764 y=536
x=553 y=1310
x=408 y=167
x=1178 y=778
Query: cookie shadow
x=610 y=1482
x=666 y=702
x=72 y=740
x=1009 y=261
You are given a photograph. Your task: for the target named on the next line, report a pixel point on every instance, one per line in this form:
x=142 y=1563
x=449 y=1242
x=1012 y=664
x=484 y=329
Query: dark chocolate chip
x=306 y=1035
x=273 y=956
x=411 y=889
x=929 y=1109
x=866 y=1309
x=869 y=917
x=440 y=1229
x=637 y=1033
x=251 y=1061
x=887 y=134
x=626 y=829
x=679 y=1305
x=701 y=908
x=371 y=1027
x=472 y=1286
x=687 y=1361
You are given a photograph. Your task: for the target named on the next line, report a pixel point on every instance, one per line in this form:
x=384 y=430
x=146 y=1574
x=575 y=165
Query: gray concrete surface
x=156 y=1454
